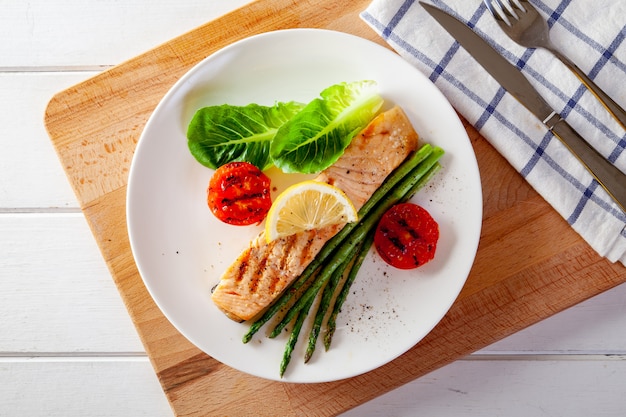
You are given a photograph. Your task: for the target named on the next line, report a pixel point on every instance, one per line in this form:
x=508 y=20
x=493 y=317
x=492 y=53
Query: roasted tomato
x=239 y=194
x=406 y=236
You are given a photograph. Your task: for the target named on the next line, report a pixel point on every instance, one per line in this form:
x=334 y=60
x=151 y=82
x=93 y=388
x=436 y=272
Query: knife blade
x=514 y=82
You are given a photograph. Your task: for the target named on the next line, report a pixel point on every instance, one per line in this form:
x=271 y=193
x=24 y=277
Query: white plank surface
x=73 y=387
x=67 y=345
x=31 y=173
x=95 y=33
x=61 y=295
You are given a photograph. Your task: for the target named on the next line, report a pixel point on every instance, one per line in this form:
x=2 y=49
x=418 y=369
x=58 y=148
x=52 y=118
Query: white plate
x=181 y=249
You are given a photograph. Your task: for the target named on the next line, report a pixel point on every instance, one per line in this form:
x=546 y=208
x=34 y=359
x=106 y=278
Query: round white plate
x=181 y=250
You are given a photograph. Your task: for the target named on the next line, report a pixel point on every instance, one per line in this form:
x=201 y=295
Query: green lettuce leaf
x=316 y=136
x=220 y=134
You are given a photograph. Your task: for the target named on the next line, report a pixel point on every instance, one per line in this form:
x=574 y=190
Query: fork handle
x=608 y=175
x=616 y=111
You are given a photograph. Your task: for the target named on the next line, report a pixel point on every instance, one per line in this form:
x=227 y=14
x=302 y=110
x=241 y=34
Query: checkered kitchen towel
x=592 y=34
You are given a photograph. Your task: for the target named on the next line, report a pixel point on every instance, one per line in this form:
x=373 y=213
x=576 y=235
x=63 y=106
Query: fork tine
x=490 y=7
x=497 y=11
x=507 y=8
x=520 y=5
x=523 y=5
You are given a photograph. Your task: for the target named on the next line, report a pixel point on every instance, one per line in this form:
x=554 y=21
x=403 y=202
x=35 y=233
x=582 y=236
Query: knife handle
x=608 y=175
x=616 y=111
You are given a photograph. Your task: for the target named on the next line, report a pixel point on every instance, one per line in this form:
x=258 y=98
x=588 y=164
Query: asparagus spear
x=327 y=295
x=392 y=179
x=293 y=337
x=331 y=324
x=358 y=233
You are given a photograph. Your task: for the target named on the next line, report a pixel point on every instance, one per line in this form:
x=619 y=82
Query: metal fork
x=522 y=23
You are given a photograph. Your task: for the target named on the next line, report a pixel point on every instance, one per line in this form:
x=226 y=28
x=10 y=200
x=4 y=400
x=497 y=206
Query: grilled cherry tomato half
x=406 y=236
x=239 y=194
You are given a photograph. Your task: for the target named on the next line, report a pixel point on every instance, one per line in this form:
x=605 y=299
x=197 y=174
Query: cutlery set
x=523 y=24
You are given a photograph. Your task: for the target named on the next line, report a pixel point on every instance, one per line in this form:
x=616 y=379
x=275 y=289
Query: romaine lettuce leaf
x=316 y=136
x=220 y=134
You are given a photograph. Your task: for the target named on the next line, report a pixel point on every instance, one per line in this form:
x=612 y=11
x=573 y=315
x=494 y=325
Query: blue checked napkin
x=592 y=34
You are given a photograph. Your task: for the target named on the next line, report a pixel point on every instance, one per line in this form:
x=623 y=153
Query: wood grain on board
x=530 y=263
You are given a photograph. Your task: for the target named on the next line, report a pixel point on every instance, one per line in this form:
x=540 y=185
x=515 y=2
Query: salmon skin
x=264 y=270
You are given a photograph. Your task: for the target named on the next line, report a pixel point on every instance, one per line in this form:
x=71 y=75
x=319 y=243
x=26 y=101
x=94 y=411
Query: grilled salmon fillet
x=264 y=270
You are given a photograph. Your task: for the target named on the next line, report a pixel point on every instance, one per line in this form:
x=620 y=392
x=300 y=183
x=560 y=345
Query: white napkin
x=592 y=34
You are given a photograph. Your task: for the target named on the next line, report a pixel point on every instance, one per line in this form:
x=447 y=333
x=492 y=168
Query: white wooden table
x=67 y=345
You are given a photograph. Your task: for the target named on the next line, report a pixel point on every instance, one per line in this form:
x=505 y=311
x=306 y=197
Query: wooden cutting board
x=530 y=264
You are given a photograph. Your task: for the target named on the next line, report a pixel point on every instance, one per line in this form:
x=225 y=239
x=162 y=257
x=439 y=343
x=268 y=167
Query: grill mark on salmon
x=254 y=282
x=243 y=267
x=282 y=262
x=264 y=270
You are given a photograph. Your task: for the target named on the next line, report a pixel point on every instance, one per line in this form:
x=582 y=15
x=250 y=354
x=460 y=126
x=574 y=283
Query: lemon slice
x=308 y=205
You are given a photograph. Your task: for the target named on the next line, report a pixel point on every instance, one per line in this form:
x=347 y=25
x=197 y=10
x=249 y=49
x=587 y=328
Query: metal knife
x=609 y=176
